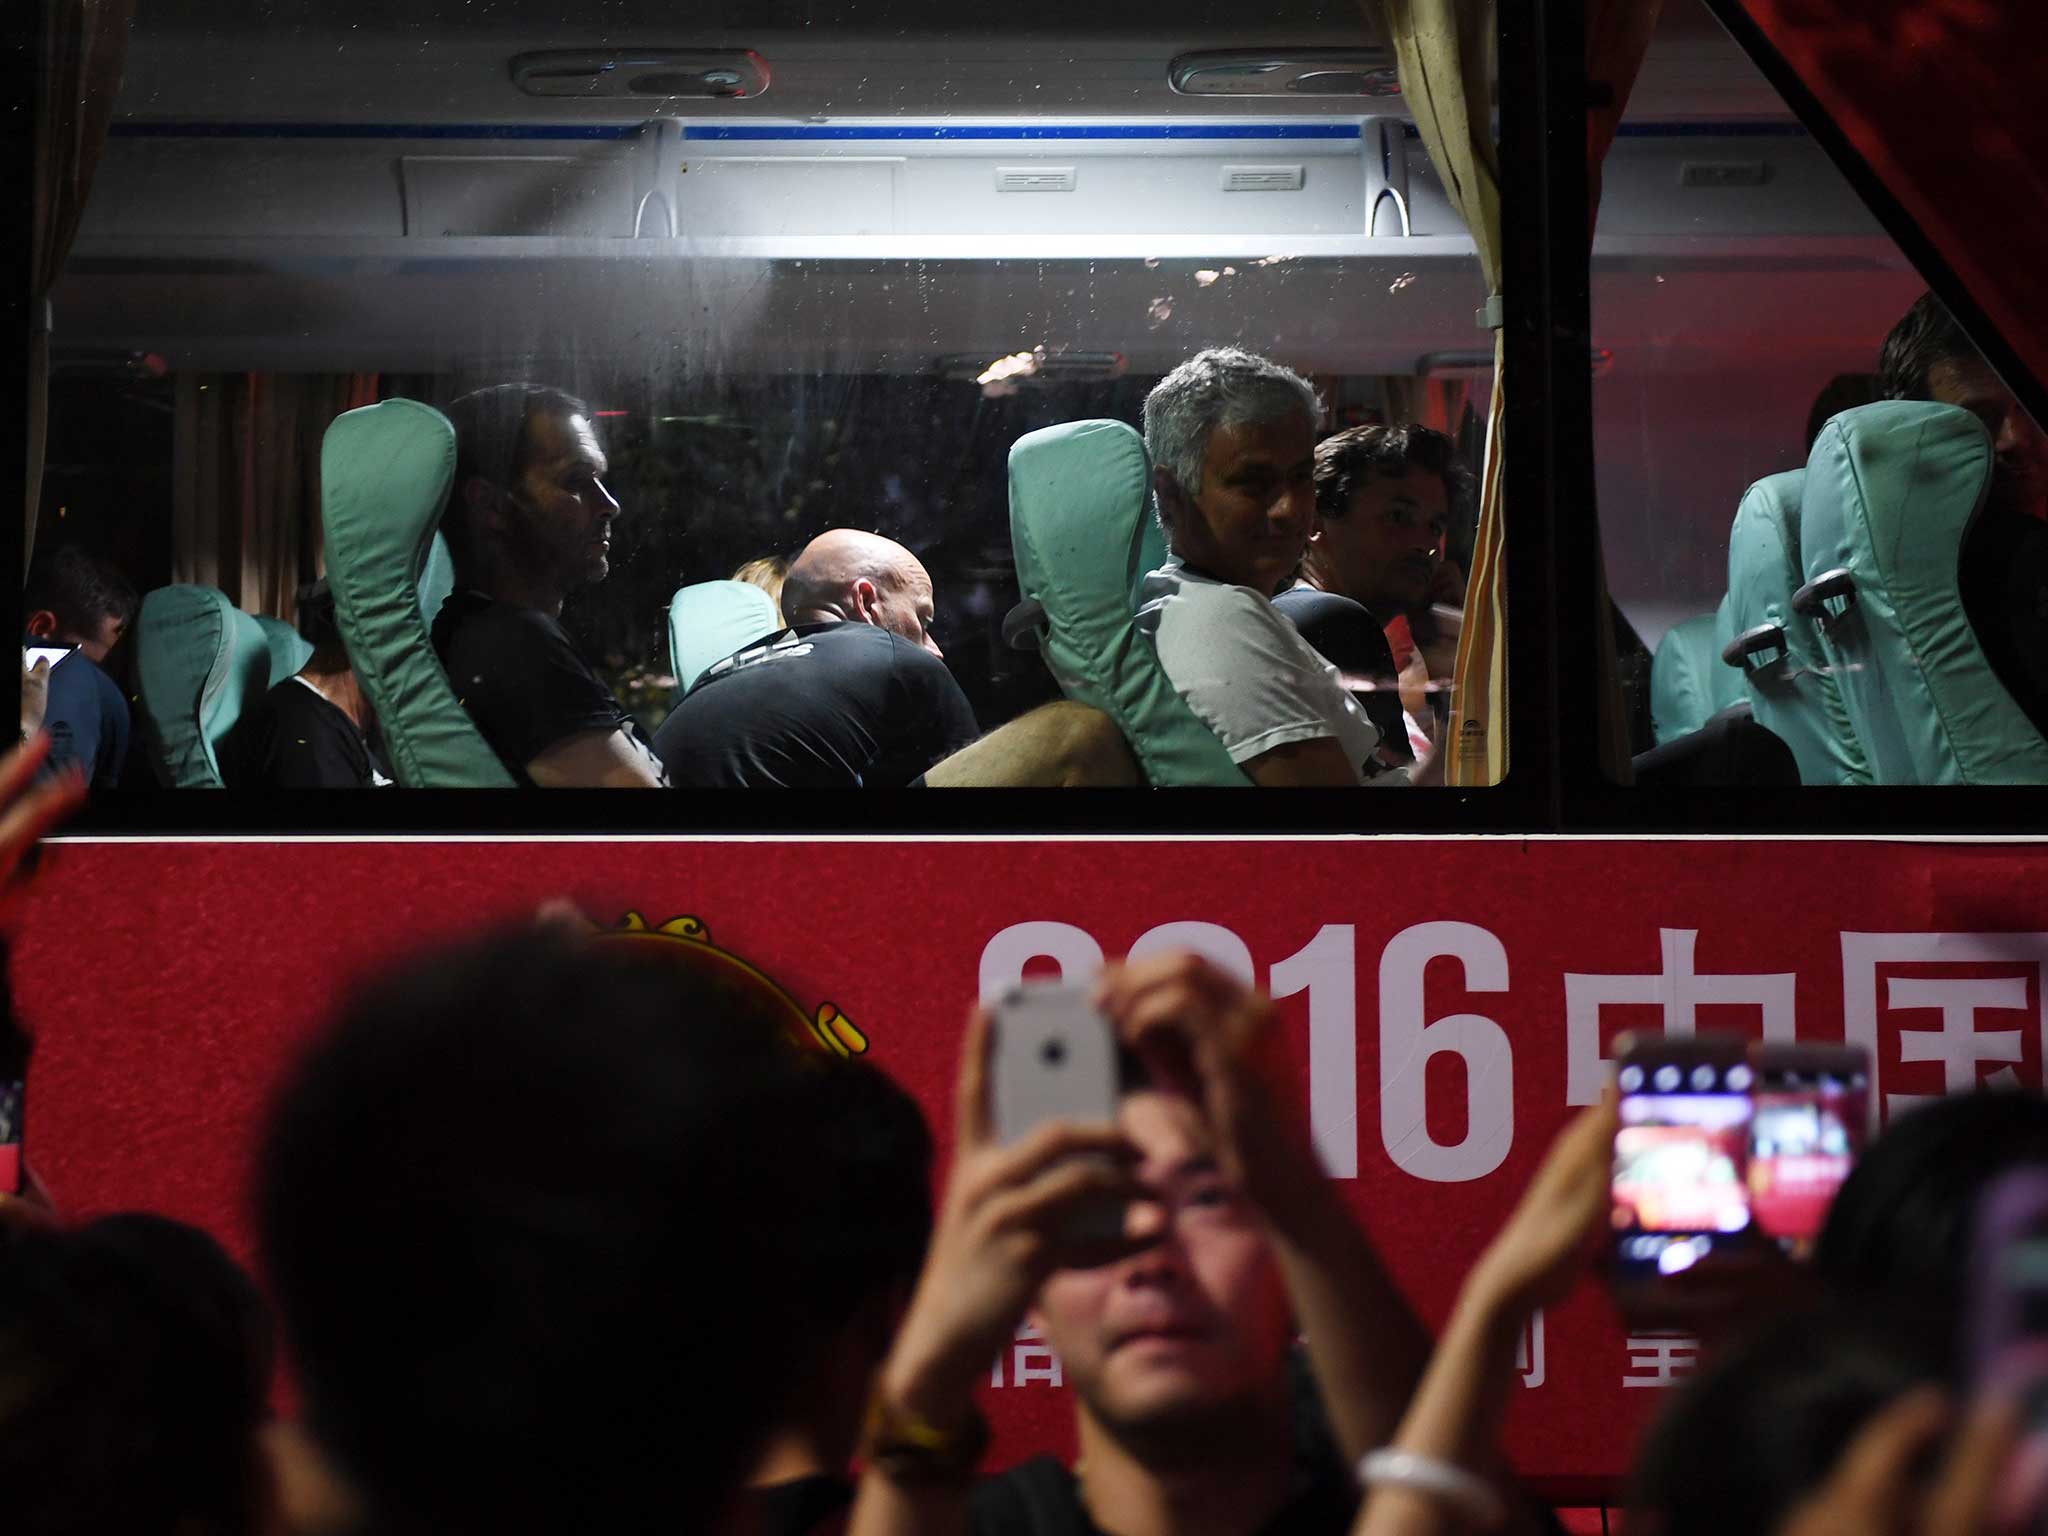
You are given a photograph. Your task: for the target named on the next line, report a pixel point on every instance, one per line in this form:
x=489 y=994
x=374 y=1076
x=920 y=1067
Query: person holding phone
x=84 y=605
x=1176 y=1325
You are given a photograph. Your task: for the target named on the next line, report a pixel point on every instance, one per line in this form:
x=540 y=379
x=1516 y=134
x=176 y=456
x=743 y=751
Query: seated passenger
x=77 y=601
x=769 y=572
x=315 y=729
x=1232 y=439
x=528 y=521
x=2002 y=571
x=1383 y=508
x=852 y=693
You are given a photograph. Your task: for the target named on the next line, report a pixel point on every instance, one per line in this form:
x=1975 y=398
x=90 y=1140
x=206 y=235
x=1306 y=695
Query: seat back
x=384 y=476
x=289 y=650
x=1080 y=500
x=1688 y=684
x=200 y=663
x=710 y=620
x=1792 y=691
x=1891 y=490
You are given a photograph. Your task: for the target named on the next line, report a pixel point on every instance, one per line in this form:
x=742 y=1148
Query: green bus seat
x=1791 y=689
x=710 y=620
x=1891 y=490
x=1080 y=503
x=1688 y=683
x=385 y=470
x=289 y=650
x=200 y=663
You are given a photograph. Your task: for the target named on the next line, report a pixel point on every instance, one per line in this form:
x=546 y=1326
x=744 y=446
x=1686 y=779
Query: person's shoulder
x=1034 y=1498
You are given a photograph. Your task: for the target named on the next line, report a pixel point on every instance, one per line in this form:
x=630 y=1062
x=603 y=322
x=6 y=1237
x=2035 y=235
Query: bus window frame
x=1554 y=782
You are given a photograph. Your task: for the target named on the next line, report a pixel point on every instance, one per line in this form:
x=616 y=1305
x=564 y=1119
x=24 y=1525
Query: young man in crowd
x=534 y=1214
x=77 y=601
x=1174 y=1331
x=867 y=1228
x=853 y=692
x=529 y=521
x=1232 y=439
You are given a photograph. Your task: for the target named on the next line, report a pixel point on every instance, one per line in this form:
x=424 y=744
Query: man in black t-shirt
x=1169 y=1262
x=852 y=694
x=312 y=730
x=528 y=521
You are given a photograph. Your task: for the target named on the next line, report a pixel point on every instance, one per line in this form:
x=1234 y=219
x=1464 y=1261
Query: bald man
x=851 y=694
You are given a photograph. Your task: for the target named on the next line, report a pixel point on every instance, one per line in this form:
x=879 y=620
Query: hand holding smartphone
x=31 y=654
x=1729 y=1153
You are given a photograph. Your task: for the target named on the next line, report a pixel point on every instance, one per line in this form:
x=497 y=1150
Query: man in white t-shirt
x=1232 y=439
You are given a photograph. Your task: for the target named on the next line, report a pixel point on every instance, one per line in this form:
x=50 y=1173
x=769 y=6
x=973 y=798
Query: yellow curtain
x=84 y=45
x=1447 y=52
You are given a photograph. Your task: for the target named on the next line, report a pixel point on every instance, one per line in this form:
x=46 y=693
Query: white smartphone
x=31 y=654
x=1053 y=1057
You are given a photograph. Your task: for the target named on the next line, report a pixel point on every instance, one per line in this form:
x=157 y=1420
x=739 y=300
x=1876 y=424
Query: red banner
x=1452 y=1000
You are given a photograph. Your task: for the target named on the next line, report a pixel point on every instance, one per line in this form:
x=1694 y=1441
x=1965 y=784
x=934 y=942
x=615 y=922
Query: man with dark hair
x=74 y=600
x=1376 y=563
x=314 y=729
x=2002 y=568
x=535 y=1216
x=1927 y=357
x=136 y=1361
x=529 y=521
x=866 y=1224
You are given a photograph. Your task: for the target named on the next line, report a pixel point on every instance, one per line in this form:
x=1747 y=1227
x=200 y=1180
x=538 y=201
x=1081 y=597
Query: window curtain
x=247 y=480
x=1447 y=53
x=84 y=44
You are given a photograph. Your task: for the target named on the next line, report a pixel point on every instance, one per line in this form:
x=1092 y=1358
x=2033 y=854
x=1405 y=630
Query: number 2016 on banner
x=1326 y=968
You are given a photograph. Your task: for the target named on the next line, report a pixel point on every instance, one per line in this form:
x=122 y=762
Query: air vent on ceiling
x=1724 y=173
x=1034 y=178
x=1262 y=178
x=643 y=73
x=1288 y=72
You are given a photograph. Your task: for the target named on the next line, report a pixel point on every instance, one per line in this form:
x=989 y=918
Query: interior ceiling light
x=1290 y=72
x=730 y=74
x=1040 y=366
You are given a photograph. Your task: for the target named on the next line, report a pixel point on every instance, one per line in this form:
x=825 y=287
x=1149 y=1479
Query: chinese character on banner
x=1659 y=1359
x=1929 y=1035
x=1031 y=1362
x=1529 y=1363
x=1678 y=988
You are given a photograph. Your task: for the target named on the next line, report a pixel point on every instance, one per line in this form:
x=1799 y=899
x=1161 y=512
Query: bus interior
x=818 y=263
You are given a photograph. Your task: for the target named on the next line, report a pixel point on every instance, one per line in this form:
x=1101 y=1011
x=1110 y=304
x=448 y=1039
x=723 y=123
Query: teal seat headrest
x=289 y=650
x=1791 y=689
x=1080 y=503
x=201 y=663
x=1891 y=490
x=709 y=620
x=1688 y=683
x=385 y=471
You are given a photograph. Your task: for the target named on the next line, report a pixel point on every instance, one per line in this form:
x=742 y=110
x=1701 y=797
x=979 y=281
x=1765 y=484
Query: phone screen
x=31 y=654
x=1803 y=1140
x=11 y=1101
x=1679 y=1162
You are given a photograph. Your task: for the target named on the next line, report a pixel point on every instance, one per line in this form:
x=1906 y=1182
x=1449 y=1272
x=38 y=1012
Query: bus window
x=1824 y=572
x=803 y=277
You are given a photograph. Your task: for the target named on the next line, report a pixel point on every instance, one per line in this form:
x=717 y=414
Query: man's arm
x=1195 y=1026
x=1001 y=1231
x=596 y=760
x=1318 y=763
